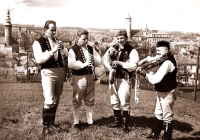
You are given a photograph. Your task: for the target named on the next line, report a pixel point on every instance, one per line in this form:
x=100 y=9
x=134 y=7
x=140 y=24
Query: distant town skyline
x=173 y=15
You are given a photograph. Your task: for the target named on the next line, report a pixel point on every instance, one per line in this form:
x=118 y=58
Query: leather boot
x=47 y=117
x=156 y=132
x=54 y=127
x=53 y=111
x=168 y=130
x=117 y=119
x=126 y=119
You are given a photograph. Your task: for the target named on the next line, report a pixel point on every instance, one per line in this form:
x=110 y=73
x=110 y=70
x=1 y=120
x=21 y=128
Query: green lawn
x=21 y=115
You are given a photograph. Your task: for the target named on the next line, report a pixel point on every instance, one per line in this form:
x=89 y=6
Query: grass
x=21 y=115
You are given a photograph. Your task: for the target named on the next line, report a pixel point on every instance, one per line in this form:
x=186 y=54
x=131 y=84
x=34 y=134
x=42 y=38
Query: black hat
x=121 y=32
x=163 y=44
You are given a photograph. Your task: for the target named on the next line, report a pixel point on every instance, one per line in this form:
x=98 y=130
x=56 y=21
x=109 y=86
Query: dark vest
x=80 y=56
x=120 y=71
x=51 y=63
x=169 y=81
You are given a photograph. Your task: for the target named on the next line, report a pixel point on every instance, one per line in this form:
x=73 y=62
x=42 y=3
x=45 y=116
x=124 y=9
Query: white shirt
x=166 y=67
x=77 y=64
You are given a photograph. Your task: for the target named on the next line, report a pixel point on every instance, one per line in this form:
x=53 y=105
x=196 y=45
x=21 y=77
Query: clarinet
x=64 y=58
x=61 y=52
x=92 y=66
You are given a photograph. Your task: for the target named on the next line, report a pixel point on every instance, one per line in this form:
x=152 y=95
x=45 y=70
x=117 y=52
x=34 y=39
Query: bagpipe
x=143 y=66
x=115 y=54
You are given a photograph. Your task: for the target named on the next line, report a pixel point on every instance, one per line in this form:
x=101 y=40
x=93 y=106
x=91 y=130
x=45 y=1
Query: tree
x=25 y=41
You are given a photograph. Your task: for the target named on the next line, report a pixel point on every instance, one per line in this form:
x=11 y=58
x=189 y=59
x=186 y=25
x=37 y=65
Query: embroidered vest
x=51 y=63
x=124 y=55
x=80 y=56
x=169 y=81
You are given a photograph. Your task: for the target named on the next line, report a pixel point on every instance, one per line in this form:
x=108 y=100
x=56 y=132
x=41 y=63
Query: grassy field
x=21 y=115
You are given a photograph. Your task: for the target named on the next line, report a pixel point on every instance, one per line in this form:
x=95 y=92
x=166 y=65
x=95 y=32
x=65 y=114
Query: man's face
x=83 y=39
x=51 y=31
x=161 y=51
x=121 y=40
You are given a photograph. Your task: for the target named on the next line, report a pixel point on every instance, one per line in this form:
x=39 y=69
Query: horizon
x=170 y=15
x=103 y=28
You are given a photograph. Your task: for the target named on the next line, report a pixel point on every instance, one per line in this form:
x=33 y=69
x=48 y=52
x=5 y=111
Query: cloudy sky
x=178 y=15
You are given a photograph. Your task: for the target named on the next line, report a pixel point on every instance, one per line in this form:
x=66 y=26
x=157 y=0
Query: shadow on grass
x=189 y=138
x=196 y=133
x=145 y=122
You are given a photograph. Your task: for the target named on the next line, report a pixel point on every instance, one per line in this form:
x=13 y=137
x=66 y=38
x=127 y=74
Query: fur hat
x=121 y=32
x=163 y=44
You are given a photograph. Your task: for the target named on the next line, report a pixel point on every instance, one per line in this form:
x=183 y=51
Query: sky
x=174 y=15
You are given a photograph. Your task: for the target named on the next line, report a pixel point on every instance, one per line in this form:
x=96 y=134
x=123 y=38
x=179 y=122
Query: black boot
x=47 y=117
x=53 y=111
x=156 y=132
x=126 y=118
x=117 y=119
x=54 y=127
x=168 y=130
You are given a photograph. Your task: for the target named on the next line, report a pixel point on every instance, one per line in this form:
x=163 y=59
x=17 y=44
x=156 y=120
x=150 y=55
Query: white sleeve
x=72 y=63
x=131 y=64
x=106 y=60
x=41 y=57
x=97 y=58
x=166 y=67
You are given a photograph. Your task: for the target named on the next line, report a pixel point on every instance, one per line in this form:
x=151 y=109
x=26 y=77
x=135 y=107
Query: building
x=151 y=36
x=8 y=44
x=10 y=50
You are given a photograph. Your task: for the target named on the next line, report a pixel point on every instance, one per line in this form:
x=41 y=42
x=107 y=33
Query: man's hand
x=60 y=45
x=115 y=63
x=141 y=71
x=87 y=63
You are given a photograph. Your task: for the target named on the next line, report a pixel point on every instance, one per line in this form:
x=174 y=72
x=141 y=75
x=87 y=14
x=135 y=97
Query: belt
x=52 y=67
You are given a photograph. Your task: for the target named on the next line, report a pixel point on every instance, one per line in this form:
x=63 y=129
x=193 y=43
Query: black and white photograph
x=99 y=70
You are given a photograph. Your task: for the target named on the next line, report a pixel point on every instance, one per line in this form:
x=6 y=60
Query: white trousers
x=52 y=84
x=121 y=99
x=164 y=105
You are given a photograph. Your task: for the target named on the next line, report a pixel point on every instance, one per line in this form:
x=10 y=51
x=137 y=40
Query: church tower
x=8 y=30
x=129 y=27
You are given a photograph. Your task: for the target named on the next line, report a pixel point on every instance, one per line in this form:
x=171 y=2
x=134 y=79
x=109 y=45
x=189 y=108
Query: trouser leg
x=168 y=130
x=76 y=115
x=89 y=113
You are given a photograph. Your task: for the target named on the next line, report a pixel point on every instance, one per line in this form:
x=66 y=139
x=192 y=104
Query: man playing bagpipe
x=166 y=87
x=121 y=60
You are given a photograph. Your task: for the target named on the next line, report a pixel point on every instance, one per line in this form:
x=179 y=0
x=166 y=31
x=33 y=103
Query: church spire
x=8 y=30
x=8 y=20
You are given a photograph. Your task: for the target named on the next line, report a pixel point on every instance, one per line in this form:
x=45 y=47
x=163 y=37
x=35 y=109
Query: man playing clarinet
x=82 y=60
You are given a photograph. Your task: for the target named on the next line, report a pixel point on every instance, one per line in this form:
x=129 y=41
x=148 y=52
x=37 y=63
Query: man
x=166 y=87
x=48 y=53
x=82 y=60
x=124 y=58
